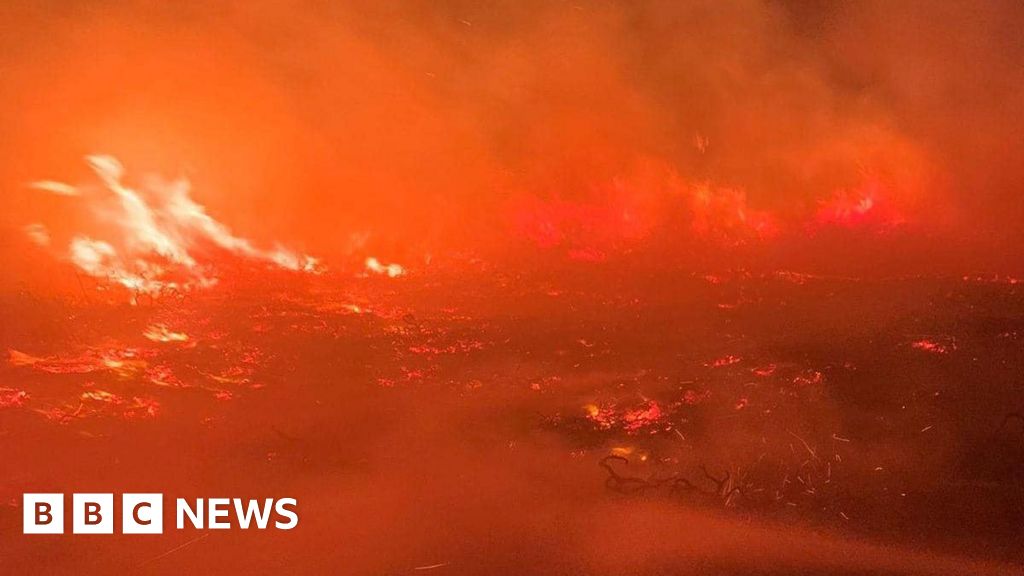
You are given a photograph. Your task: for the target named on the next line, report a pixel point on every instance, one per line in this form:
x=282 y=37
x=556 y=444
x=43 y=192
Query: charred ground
x=880 y=410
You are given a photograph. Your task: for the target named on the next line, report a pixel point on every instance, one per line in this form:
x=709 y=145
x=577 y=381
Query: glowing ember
x=12 y=398
x=603 y=417
x=940 y=345
x=642 y=417
x=162 y=375
x=727 y=360
x=809 y=378
x=458 y=347
x=692 y=397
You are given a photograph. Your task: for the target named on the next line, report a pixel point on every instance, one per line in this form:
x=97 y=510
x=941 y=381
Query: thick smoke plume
x=580 y=130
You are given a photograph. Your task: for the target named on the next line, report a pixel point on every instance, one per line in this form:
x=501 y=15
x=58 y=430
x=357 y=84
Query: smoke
x=586 y=129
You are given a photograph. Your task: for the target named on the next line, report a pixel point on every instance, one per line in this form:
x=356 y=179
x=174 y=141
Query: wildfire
x=639 y=205
x=390 y=270
x=864 y=206
x=724 y=213
x=161 y=333
x=161 y=239
x=124 y=362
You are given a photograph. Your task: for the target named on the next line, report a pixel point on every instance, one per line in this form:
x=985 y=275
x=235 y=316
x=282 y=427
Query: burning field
x=506 y=288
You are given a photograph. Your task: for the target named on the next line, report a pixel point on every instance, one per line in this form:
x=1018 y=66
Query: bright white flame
x=391 y=270
x=156 y=232
x=141 y=231
x=59 y=188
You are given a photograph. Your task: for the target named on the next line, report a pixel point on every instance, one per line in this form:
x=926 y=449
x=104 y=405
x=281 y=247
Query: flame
x=122 y=362
x=159 y=232
x=12 y=398
x=862 y=207
x=390 y=270
x=58 y=188
x=655 y=201
x=161 y=333
x=723 y=213
x=584 y=231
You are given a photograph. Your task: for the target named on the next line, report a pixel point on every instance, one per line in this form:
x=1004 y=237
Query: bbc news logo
x=144 y=513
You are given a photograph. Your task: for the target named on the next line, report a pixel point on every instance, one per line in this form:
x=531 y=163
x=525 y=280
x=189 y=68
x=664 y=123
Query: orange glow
x=518 y=286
